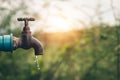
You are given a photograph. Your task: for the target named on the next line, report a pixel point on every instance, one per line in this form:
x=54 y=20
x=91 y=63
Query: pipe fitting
x=6 y=43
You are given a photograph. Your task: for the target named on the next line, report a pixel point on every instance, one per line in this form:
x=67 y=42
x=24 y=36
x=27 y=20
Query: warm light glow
x=58 y=24
x=57 y=15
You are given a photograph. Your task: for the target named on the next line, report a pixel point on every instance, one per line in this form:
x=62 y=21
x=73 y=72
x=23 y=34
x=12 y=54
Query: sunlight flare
x=58 y=24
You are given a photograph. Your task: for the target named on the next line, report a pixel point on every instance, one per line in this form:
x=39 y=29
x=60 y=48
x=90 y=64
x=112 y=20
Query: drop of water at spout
x=36 y=61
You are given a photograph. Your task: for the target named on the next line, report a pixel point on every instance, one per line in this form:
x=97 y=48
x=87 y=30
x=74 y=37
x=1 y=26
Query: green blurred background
x=90 y=53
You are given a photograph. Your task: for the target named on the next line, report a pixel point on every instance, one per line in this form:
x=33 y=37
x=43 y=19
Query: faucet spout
x=37 y=46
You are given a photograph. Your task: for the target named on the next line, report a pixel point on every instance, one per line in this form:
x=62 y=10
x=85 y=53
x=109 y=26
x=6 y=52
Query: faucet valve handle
x=26 y=20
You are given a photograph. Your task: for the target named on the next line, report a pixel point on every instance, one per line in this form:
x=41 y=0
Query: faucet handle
x=26 y=20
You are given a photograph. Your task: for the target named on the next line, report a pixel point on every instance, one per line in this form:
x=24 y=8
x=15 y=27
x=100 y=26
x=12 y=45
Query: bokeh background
x=80 y=38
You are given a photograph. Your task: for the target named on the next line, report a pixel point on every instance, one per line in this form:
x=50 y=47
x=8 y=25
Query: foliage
x=90 y=57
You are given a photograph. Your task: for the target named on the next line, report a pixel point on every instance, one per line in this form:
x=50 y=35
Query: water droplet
x=36 y=61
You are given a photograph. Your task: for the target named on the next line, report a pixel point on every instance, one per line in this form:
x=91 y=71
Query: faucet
x=27 y=41
x=9 y=43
